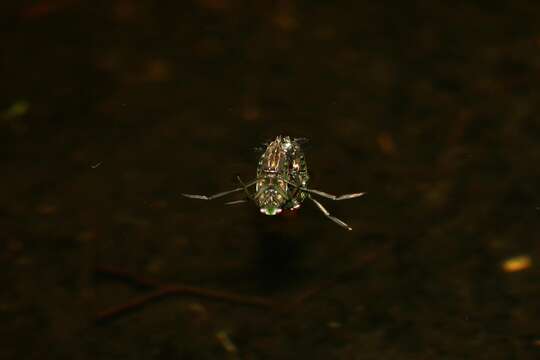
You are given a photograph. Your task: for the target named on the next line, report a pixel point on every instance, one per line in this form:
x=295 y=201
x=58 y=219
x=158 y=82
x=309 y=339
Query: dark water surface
x=110 y=110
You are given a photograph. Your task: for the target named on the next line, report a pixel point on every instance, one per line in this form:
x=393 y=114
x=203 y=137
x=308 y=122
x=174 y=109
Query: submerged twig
x=182 y=290
x=160 y=291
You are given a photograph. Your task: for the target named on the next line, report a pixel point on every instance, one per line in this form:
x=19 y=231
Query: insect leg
x=215 y=196
x=234 y=202
x=326 y=195
x=327 y=214
x=333 y=197
x=245 y=187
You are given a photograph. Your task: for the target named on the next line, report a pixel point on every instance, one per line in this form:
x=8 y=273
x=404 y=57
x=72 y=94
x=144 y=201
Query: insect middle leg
x=333 y=197
x=327 y=195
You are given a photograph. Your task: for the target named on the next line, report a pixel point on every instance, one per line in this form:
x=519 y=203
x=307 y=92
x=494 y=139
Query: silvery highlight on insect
x=281 y=182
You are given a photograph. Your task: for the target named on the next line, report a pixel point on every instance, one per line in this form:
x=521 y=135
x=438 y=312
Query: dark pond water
x=111 y=109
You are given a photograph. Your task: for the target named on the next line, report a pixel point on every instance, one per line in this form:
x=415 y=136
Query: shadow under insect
x=276 y=263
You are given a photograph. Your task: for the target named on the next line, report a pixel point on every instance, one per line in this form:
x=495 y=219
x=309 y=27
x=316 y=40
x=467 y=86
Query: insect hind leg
x=328 y=215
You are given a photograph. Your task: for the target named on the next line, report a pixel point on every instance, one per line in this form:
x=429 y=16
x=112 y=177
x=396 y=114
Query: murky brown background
x=110 y=109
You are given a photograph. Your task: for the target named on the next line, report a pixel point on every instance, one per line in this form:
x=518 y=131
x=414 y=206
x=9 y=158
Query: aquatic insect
x=281 y=181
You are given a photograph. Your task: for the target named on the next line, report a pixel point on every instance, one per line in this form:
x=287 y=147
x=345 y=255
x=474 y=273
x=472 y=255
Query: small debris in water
x=517 y=263
x=334 y=325
x=86 y=236
x=226 y=342
x=46 y=209
x=96 y=165
x=198 y=310
x=386 y=143
x=17 y=109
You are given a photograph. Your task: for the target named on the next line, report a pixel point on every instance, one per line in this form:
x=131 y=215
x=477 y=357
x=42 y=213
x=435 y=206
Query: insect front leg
x=218 y=195
x=245 y=187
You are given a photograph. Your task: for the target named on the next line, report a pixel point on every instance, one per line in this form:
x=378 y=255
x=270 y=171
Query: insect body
x=280 y=167
x=281 y=181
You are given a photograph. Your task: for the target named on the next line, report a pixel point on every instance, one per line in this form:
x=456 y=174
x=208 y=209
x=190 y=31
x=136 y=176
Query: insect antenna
x=301 y=140
x=260 y=148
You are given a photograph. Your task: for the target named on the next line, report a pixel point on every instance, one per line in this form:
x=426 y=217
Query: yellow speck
x=250 y=113
x=285 y=19
x=157 y=70
x=18 y=109
x=517 y=263
x=386 y=143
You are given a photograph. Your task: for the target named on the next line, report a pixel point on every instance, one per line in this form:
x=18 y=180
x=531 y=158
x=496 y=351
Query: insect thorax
x=281 y=170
